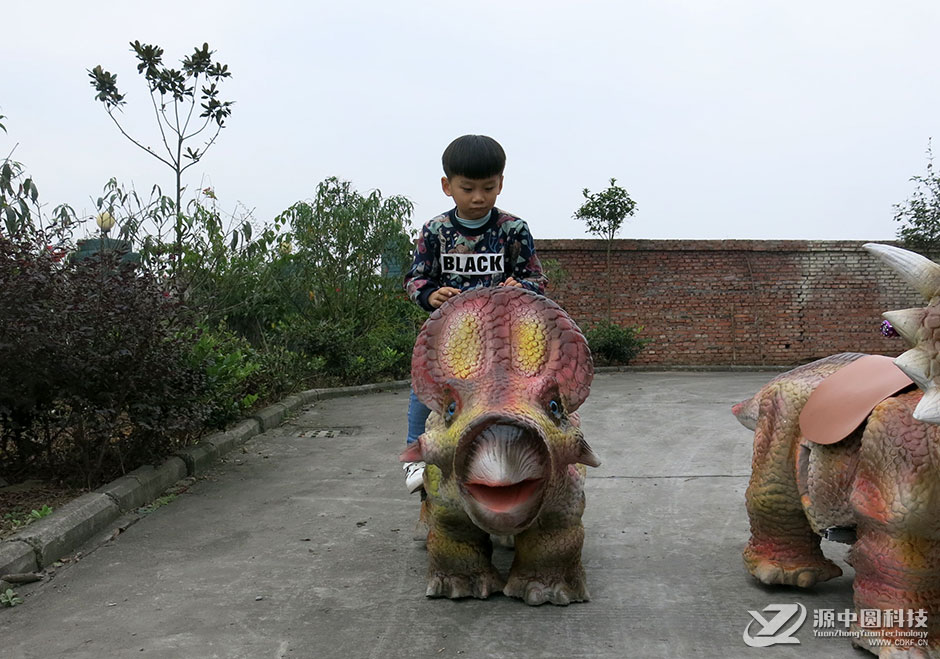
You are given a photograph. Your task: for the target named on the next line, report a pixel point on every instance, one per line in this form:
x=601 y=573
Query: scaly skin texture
x=896 y=498
x=884 y=479
x=503 y=370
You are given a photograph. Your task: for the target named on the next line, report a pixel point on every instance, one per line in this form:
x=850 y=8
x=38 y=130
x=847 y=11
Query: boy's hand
x=441 y=295
x=511 y=282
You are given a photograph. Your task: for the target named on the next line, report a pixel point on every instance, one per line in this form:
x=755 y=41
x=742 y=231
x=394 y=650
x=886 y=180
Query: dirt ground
x=17 y=501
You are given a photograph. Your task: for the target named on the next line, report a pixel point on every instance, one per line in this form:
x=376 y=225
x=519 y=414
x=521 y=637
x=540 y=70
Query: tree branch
x=147 y=149
x=156 y=111
x=205 y=148
x=204 y=126
x=192 y=105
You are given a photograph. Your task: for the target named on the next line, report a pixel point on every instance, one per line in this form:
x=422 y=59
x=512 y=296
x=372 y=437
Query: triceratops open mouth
x=502 y=470
x=502 y=498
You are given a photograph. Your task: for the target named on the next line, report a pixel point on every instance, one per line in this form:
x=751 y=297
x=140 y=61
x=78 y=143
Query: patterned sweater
x=451 y=254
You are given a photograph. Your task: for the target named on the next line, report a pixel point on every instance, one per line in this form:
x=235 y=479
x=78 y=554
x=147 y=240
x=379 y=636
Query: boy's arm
x=526 y=268
x=422 y=278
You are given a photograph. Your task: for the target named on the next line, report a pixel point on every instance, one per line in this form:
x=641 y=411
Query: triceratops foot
x=803 y=572
x=454 y=586
x=560 y=588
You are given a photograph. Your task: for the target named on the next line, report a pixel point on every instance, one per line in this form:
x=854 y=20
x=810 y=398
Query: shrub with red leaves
x=94 y=379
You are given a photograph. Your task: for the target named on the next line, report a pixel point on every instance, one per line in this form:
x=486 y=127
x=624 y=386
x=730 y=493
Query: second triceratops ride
x=847 y=447
x=503 y=370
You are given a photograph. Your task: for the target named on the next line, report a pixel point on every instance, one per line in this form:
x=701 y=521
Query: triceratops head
x=920 y=326
x=504 y=369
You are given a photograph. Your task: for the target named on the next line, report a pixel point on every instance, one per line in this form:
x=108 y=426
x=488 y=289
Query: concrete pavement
x=298 y=544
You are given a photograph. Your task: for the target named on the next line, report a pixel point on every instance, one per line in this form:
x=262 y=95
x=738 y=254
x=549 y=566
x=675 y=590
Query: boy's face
x=475 y=197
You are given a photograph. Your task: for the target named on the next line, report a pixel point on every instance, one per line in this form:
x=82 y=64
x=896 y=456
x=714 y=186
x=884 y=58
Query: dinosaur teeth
x=918 y=271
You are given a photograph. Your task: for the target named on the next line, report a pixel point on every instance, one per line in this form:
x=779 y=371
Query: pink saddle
x=844 y=400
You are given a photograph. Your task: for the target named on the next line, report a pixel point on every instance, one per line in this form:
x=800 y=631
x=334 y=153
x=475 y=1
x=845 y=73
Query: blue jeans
x=417 y=416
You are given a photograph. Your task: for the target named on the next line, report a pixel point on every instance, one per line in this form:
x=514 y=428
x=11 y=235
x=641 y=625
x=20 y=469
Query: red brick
x=726 y=302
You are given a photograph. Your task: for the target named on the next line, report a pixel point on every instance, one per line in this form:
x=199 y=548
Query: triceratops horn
x=918 y=271
x=915 y=363
x=587 y=456
x=907 y=322
x=928 y=409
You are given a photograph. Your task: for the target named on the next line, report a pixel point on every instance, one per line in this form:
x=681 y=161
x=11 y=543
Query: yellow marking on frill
x=531 y=346
x=463 y=349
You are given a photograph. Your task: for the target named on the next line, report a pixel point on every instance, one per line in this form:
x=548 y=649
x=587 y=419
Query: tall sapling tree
x=174 y=98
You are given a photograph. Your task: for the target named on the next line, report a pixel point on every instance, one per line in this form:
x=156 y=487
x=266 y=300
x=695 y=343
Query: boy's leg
x=417 y=417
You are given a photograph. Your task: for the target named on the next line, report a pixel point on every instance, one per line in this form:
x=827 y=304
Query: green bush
x=614 y=345
x=345 y=354
x=284 y=371
x=228 y=362
x=340 y=240
x=236 y=275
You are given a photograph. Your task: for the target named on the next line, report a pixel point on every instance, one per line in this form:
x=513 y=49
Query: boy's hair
x=474 y=156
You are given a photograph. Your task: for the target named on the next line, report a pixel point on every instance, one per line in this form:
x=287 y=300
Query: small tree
x=349 y=312
x=174 y=98
x=341 y=238
x=604 y=213
x=920 y=215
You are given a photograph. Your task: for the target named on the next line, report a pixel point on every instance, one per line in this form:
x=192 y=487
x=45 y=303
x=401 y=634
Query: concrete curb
x=60 y=534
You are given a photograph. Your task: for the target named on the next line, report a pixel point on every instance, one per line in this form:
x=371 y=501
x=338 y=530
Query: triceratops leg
x=547 y=564
x=458 y=551
x=783 y=548
x=897 y=555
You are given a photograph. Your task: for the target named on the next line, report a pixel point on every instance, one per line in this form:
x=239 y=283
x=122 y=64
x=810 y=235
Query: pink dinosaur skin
x=503 y=370
x=882 y=479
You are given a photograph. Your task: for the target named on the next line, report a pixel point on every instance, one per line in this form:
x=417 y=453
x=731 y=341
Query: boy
x=449 y=257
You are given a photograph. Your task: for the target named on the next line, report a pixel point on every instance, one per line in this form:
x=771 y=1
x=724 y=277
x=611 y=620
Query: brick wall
x=732 y=302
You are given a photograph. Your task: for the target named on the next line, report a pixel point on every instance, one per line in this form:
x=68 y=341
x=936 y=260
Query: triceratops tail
x=746 y=412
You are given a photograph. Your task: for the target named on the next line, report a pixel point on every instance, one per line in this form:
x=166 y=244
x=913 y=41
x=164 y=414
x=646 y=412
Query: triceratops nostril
x=505 y=454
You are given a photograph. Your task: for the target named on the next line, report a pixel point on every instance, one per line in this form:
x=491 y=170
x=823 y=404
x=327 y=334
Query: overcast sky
x=722 y=118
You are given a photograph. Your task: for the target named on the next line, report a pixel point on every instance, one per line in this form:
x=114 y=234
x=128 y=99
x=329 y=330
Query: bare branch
x=145 y=148
x=204 y=149
x=174 y=128
x=156 y=110
x=202 y=128
x=192 y=105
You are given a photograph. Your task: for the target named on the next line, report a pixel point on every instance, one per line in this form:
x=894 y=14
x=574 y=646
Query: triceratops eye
x=555 y=408
x=450 y=411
